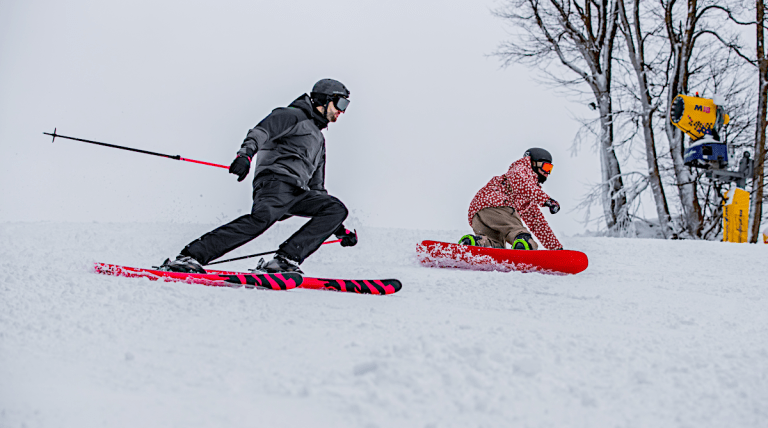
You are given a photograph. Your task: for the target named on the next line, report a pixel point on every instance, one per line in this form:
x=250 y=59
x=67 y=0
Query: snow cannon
x=697 y=116
x=707 y=153
x=701 y=119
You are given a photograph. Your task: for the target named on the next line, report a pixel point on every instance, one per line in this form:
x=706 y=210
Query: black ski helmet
x=538 y=155
x=325 y=89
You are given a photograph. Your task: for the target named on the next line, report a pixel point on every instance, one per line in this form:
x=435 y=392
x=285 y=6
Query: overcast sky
x=433 y=117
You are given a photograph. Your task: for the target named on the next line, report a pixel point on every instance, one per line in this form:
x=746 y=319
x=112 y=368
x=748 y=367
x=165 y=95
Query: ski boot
x=280 y=264
x=522 y=242
x=184 y=264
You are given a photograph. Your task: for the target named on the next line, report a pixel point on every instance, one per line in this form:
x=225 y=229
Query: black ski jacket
x=289 y=143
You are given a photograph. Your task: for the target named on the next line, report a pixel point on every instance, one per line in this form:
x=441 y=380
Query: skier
x=498 y=210
x=289 y=179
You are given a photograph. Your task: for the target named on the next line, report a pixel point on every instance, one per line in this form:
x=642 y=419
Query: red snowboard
x=443 y=254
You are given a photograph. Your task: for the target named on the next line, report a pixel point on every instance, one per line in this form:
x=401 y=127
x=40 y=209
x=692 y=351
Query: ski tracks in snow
x=653 y=333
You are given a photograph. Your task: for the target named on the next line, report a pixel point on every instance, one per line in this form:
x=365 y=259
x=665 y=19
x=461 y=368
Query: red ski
x=360 y=286
x=215 y=279
x=443 y=254
x=274 y=281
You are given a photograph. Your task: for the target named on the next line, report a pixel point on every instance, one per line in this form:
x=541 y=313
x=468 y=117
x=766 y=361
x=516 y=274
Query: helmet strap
x=325 y=109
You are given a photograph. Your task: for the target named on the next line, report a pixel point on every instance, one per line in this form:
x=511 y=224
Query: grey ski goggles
x=340 y=102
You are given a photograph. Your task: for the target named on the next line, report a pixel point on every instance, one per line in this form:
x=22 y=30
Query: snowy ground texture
x=653 y=334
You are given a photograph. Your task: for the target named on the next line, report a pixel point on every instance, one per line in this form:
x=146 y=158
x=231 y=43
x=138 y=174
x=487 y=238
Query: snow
x=653 y=334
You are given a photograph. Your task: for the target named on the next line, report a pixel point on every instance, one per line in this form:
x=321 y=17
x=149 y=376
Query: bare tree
x=687 y=25
x=579 y=35
x=689 y=47
x=635 y=39
x=681 y=43
x=758 y=143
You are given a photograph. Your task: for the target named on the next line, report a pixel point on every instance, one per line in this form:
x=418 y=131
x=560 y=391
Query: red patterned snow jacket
x=519 y=188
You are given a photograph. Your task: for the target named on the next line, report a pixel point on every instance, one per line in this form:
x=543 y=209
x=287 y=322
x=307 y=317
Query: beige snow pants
x=499 y=224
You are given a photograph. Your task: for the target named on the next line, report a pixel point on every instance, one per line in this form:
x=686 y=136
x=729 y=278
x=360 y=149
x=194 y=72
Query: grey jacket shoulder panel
x=277 y=124
x=290 y=143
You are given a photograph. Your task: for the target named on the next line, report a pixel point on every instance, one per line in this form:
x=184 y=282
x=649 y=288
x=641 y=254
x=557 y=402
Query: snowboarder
x=289 y=179
x=498 y=210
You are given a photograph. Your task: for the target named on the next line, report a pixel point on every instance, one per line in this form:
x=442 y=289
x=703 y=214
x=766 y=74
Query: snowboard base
x=446 y=255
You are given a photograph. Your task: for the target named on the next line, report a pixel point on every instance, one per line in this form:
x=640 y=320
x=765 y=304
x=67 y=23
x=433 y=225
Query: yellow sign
x=736 y=216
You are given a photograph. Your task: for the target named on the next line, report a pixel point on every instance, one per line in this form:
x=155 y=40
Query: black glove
x=240 y=167
x=554 y=207
x=348 y=237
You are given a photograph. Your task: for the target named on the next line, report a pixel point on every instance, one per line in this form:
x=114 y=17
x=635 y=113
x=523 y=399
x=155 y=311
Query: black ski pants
x=274 y=198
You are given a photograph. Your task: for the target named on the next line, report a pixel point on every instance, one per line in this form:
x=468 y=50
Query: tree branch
x=729 y=45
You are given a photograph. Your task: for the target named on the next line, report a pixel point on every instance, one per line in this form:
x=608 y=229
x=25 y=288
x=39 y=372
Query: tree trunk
x=758 y=180
x=614 y=200
x=581 y=37
x=681 y=45
x=686 y=185
x=634 y=38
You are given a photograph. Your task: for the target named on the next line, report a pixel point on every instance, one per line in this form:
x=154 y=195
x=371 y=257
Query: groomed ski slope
x=653 y=334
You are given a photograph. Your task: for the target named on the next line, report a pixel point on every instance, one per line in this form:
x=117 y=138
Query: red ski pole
x=177 y=157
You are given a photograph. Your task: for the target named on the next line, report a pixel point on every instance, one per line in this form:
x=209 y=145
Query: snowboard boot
x=280 y=264
x=479 y=241
x=469 y=240
x=522 y=242
x=183 y=264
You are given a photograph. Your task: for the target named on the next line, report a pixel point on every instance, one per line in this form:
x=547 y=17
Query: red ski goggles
x=546 y=167
x=341 y=103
